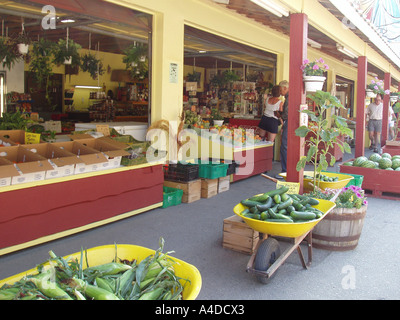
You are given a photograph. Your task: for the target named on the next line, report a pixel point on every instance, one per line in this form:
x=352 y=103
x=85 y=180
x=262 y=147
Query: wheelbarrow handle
x=269 y=178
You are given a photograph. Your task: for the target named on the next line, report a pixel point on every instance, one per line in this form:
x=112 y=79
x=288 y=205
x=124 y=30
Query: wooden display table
x=35 y=213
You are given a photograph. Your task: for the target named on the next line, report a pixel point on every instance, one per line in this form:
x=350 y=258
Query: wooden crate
x=191 y=189
x=209 y=187
x=238 y=236
x=223 y=184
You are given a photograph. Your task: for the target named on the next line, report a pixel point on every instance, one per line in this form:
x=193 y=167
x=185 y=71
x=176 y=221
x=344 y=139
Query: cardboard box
x=53 y=126
x=238 y=236
x=31 y=166
x=62 y=161
x=16 y=137
x=209 y=188
x=92 y=160
x=191 y=189
x=223 y=184
x=7 y=171
x=113 y=151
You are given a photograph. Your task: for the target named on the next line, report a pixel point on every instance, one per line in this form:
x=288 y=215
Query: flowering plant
x=315 y=68
x=349 y=197
x=376 y=86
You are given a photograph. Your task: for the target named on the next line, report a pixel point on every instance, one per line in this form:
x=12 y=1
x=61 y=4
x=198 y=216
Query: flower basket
x=370 y=94
x=313 y=83
x=23 y=48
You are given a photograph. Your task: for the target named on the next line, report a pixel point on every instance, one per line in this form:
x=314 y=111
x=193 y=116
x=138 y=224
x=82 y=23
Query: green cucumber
x=249 y=203
x=284 y=197
x=279 y=191
x=302 y=215
x=264 y=215
x=285 y=204
x=266 y=205
x=260 y=198
x=277 y=198
x=313 y=201
x=246 y=210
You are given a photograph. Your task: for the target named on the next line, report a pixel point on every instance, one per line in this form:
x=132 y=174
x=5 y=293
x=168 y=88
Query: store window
x=345 y=94
x=108 y=75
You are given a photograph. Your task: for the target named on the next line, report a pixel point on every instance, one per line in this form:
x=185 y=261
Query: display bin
x=181 y=172
x=171 y=197
x=212 y=170
x=357 y=181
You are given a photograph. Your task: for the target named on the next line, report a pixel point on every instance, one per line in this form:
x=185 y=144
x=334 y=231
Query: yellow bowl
x=342 y=182
x=290 y=230
x=104 y=254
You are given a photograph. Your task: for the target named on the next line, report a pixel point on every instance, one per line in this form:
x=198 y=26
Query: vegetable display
x=376 y=161
x=322 y=177
x=279 y=206
x=64 y=279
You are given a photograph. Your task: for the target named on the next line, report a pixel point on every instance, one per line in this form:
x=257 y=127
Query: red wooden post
x=385 y=115
x=360 y=121
x=297 y=96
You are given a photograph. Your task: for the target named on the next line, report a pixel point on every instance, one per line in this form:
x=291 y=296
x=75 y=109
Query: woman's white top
x=270 y=108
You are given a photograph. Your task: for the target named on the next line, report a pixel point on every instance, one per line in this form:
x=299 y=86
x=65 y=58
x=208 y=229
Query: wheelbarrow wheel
x=267 y=253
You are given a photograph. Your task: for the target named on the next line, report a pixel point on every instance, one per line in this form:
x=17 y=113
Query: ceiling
x=282 y=25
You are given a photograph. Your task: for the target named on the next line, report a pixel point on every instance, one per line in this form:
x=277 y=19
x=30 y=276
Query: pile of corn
x=151 y=279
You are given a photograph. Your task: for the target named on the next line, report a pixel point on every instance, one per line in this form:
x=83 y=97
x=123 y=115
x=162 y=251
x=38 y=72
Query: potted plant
x=9 y=53
x=66 y=53
x=41 y=63
x=323 y=135
x=218 y=119
x=194 y=77
x=217 y=81
x=375 y=87
x=394 y=96
x=341 y=228
x=313 y=74
x=230 y=76
x=23 y=42
x=136 y=60
x=89 y=63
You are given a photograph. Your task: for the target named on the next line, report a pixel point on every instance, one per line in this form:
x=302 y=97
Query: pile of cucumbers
x=279 y=206
x=322 y=177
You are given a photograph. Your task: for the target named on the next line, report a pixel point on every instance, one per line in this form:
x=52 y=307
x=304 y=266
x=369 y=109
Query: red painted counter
x=49 y=209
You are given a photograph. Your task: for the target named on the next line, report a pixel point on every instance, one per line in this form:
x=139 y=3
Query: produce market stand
x=76 y=203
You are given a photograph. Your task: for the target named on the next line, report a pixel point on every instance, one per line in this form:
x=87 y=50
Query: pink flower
x=372 y=81
x=387 y=91
x=376 y=87
x=306 y=61
x=326 y=67
x=315 y=67
x=321 y=60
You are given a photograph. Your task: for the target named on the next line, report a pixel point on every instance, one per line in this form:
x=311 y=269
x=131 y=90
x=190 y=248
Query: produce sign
x=280 y=206
x=153 y=278
x=376 y=161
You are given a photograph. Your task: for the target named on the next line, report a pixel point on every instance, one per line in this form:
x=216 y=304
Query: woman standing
x=270 y=120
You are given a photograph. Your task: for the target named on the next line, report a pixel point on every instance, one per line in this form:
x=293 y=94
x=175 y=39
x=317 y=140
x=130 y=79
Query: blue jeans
x=283 y=153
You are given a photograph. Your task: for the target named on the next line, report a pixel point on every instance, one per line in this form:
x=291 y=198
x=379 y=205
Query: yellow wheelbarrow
x=267 y=257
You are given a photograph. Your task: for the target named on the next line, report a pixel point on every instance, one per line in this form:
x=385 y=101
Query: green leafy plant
x=396 y=109
x=9 y=53
x=136 y=60
x=62 y=52
x=323 y=136
x=230 y=76
x=14 y=121
x=41 y=64
x=89 y=63
x=194 y=77
x=215 y=115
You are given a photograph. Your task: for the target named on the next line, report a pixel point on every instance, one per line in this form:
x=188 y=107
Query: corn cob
x=108 y=268
x=102 y=283
x=9 y=293
x=91 y=291
x=50 y=289
x=152 y=295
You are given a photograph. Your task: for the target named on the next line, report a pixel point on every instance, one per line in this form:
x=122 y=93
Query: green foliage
x=89 y=63
x=136 y=60
x=215 y=115
x=13 y=121
x=61 y=52
x=323 y=136
x=9 y=53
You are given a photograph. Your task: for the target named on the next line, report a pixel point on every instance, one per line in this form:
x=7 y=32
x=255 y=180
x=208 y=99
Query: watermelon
x=386 y=155
x=385 y=163
x=358 y=161
x=348 y=163
x=389 y=169
x=376 y=165
x=395 y=163
x=368 y=164
x=375 y=157
x=396 y=157
x=397 y=169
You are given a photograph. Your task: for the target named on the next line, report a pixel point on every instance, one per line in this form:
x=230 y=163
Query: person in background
x=284 y=91
x=392 y=118
x=374 y=119
x=269 y=122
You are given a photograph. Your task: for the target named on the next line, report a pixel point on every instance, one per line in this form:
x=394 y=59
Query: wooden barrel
x=340 y=230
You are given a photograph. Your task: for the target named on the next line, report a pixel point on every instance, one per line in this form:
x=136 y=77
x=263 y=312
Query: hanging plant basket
x=23 y=48
x=313 y=83
x=136 y=60
x=370 y=94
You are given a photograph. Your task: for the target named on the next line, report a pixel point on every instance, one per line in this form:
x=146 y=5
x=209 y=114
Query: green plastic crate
x=357 y=181
x=171 y=197
x=212 y=170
